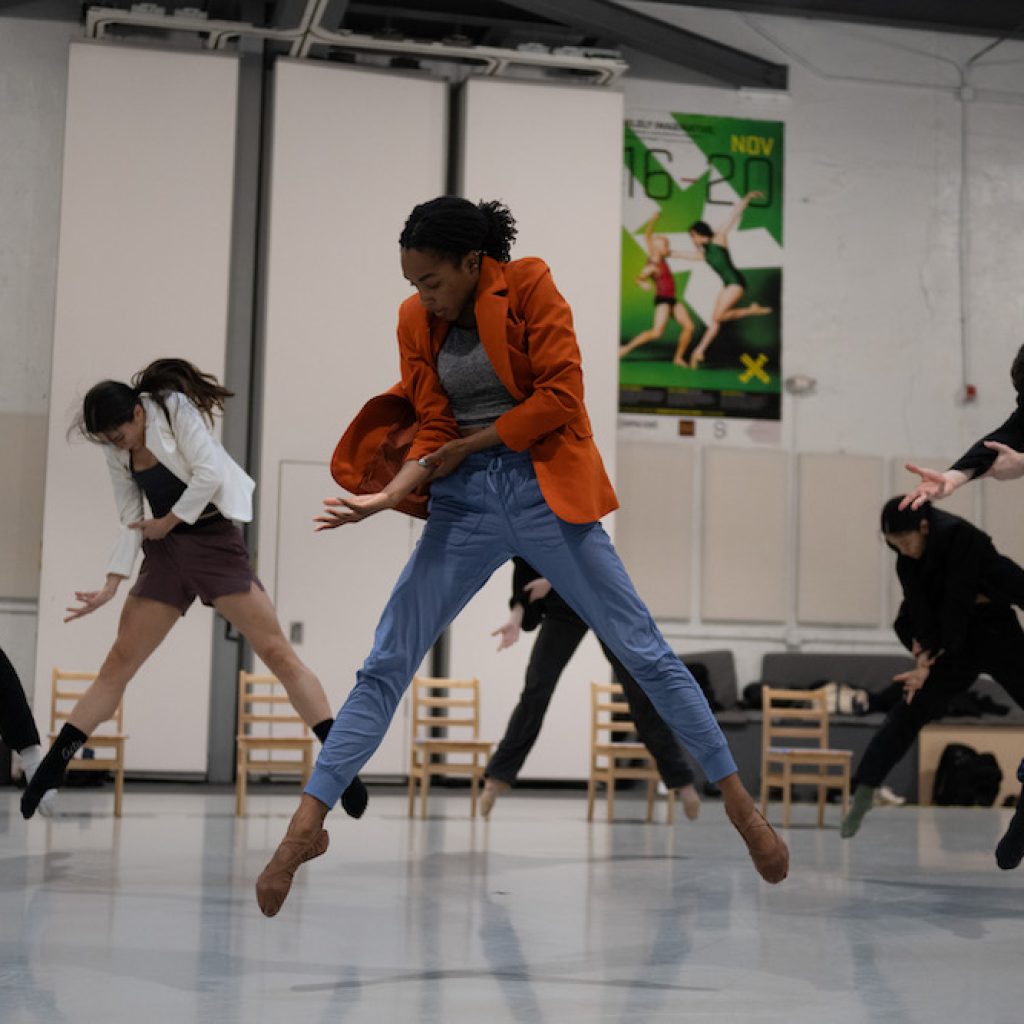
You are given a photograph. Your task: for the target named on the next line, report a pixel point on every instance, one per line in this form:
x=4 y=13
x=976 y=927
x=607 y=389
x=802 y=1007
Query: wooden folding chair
x=612 y=758
x=63 y=698
x=802 y=717
x=268 y=724
x=453 y=706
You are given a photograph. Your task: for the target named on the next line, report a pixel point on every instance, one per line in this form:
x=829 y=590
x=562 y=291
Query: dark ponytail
x=110 y=403
x=907 y=521
x=453 y=227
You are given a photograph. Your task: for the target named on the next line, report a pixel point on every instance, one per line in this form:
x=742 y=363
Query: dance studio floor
x=534 y=917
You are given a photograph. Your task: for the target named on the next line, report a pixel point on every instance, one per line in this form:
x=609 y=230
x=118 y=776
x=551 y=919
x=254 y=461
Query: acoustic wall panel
x=353 y=152
x=143 y=272
x=554 y=155
x=744 y=575
x=839 y=556
x=22 y=468
x=655 y=525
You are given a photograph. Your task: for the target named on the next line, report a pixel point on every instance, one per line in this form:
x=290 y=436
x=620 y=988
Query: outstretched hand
x=933 y=486
x=89 y=600
x=342 y=511
x=508 y=634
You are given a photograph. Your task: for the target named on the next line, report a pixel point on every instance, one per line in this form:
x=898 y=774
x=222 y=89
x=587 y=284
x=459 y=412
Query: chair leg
x=119 y=785
x=650 y=801
x=822 y=792
x=610 y=794
x=591 y=787
x=670 y=812
x=474 y=781
x=846 y=788
x=787 y=793
x=424 y=790
x=241 y=778
x=764 y=788
x=412 y=789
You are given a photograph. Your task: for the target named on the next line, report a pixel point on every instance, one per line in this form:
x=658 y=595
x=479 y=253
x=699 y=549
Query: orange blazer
x=526 y=329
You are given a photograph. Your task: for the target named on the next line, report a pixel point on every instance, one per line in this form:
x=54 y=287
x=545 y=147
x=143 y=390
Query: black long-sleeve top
x=941 y=588
x=978 y=459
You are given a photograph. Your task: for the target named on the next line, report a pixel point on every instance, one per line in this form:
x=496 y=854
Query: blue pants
x=488 y=510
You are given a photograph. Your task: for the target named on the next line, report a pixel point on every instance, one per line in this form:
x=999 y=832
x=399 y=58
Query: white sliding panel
x=839 y=555
x=554 y=155
x=654 y=532
x=744 y=571
x=353 y=152
x=143 y=272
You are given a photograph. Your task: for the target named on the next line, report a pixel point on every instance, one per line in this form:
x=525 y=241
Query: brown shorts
x=208 y=562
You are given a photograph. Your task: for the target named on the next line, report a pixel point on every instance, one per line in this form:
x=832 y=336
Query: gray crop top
x=476 y=394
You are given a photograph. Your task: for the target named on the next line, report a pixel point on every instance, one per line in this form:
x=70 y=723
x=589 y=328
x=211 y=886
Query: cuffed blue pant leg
x=458 y=552
x=584 y=568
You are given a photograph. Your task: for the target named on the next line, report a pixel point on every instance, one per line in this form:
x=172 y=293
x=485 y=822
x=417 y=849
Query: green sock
x=863 y=800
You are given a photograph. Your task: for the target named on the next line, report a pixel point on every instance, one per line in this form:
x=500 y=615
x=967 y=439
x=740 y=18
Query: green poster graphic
x=701 y=267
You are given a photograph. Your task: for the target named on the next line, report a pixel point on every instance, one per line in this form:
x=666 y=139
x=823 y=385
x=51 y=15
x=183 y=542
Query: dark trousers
x=560 y=633
x=17 y=727
x=994 y=645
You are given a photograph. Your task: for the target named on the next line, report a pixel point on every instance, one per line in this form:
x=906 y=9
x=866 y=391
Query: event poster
x=701 y=267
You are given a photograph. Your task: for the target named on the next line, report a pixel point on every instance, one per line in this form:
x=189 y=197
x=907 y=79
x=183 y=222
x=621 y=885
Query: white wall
x=565 y=199
x=143 y=270
x=871 y=259
x=353 y=152
x=33 y=73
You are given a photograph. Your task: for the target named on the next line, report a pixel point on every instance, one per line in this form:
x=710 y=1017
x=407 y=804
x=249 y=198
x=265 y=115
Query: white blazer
x=187 y=447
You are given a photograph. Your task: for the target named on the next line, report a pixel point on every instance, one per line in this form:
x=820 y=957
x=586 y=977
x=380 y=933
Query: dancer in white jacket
x=159 y=445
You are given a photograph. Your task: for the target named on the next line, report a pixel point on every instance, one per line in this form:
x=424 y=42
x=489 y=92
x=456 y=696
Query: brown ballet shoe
x=767 y=850
x=493 y=788
x=275 y=881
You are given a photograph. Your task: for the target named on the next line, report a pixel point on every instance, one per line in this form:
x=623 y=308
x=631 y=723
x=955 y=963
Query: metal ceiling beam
x=971 y=17
x=659 y=39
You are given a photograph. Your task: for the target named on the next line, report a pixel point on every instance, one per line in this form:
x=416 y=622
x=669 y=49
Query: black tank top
x=163 y=489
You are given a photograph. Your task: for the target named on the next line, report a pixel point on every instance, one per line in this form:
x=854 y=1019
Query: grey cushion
x=864 y=671
x=722 y=673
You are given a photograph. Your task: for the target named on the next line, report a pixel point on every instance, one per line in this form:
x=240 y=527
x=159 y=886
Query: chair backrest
x=609 y=713
x=264 y=708
x=66 y=689
x=798 y=716
x=439 y=703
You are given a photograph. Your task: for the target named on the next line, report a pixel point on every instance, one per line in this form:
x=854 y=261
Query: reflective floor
x=534 y=917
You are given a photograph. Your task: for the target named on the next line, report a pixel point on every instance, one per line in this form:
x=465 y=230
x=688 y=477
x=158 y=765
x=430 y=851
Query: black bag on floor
x=966 y=778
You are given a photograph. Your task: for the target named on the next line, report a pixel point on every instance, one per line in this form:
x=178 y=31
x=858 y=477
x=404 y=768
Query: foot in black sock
x=50 y=773
x=1010 y=851
x=355 y=798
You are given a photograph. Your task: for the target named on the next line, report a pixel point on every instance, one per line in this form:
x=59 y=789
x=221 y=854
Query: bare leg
x=754 y=309
x=726 y=299
x=254 y=617
x=143 y=626
x=685 y=322
x=655 y=331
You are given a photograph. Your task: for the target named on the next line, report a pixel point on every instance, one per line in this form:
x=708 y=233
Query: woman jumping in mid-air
x=713 y=249
x=657 y=270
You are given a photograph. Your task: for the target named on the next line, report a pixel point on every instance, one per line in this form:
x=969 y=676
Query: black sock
x=1010 y=850
x=355 y=798
x=51 y=771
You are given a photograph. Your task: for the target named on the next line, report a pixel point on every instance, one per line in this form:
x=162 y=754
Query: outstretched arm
x=734 y=218
x=649 y=234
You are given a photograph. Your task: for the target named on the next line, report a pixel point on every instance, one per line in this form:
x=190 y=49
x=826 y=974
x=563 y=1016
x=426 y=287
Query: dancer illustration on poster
x=713 y=249
x=657 y=275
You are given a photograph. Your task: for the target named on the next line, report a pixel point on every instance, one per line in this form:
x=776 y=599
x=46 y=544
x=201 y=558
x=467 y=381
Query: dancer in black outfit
x=999 y=456
x=957 y=619
x=534 y=603
x=18 y=729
